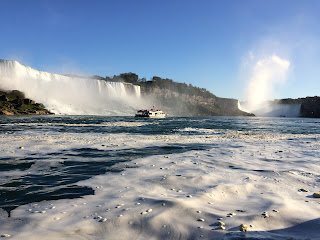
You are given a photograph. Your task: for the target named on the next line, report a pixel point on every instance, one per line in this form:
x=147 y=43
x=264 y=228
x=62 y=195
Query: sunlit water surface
x=58 y=180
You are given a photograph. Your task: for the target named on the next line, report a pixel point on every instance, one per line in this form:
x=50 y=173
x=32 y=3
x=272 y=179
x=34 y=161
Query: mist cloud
x=266 y=75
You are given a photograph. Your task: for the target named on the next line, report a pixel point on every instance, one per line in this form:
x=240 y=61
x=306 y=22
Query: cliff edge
x=177 y=102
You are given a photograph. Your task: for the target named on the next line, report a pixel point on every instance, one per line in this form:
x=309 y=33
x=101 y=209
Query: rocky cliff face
x=15 y=103
x=177 y=104
x=310 y=106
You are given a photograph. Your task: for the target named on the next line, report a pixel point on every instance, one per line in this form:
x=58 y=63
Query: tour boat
x=151 y=113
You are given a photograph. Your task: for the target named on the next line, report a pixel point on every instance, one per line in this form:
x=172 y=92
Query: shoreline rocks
x=316 y=195
x=15 y=103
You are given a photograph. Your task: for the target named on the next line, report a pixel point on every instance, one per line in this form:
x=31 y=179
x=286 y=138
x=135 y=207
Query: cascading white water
x=69 y=95
x=272 y=109
x=137 y=90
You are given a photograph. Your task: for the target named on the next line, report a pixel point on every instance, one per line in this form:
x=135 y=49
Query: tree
x=129 y=77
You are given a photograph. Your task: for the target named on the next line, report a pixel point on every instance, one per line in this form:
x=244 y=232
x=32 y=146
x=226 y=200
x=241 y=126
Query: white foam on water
x=242 y=177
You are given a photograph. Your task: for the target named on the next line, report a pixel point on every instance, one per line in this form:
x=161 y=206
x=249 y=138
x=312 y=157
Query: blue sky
x=210 y=44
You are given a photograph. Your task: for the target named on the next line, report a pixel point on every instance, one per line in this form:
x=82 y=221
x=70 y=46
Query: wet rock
x=244 y=228
x=231 y=214
x=221 y=223
x=5 y=235
x=303 y=190
x=316 y=195
x=265 y=214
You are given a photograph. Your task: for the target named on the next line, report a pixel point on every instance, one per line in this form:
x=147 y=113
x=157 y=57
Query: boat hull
x=141 y=116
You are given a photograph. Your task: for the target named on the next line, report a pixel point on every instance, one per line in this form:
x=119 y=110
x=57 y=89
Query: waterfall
x=285 y=110
x=70 y=95
x=137 y=91
x=272 y=109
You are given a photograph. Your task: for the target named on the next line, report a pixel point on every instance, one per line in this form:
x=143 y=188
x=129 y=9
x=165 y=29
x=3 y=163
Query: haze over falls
x=267 y=74
x=70 y=95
